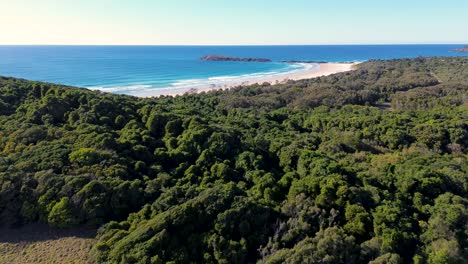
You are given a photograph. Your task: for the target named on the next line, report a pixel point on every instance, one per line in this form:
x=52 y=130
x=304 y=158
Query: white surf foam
x=217 y=82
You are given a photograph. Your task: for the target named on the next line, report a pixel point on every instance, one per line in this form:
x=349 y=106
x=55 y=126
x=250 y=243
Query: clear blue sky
x=191 y=22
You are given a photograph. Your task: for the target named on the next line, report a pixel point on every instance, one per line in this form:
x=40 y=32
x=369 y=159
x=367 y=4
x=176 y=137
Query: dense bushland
x=363 y=166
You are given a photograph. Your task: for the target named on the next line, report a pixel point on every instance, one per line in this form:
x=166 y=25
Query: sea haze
x=136 y=70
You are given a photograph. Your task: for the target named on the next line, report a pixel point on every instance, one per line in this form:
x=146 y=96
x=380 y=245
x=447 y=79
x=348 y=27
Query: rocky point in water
x=464 y=49
x=227 y=58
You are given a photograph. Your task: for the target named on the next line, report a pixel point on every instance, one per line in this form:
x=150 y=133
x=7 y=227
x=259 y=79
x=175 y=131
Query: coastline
x=308 y=72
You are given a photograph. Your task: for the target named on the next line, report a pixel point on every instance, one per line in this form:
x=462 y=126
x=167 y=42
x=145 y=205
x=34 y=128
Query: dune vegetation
x=42 y=244
x=364 y=166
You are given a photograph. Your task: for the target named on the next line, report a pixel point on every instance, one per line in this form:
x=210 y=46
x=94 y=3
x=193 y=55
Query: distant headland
x=227 y=58
x=464 y=49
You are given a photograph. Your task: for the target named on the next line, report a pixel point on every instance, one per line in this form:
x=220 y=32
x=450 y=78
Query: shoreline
x=317 y=70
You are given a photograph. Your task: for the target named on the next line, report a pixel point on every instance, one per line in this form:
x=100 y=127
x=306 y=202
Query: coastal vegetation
x=364 y=166
x=41 y=244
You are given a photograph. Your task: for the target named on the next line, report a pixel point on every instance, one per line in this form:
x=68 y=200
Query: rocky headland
x=464 y=49
x=227 y=58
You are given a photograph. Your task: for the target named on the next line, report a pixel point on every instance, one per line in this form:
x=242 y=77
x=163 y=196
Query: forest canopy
x=364 y=166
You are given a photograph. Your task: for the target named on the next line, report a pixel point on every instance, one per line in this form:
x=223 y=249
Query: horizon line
x=228 y=45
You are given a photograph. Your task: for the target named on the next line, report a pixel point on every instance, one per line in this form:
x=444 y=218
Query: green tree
x=62 y=215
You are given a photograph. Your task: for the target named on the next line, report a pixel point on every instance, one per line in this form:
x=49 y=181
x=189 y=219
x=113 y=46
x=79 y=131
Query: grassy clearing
x=42 y=244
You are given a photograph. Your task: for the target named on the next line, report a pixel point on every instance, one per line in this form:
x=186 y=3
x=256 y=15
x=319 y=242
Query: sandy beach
x=322 y=69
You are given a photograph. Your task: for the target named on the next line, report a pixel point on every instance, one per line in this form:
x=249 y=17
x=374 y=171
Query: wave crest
x=219 y=82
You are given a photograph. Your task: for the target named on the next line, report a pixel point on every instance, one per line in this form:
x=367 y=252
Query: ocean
x=136 y=70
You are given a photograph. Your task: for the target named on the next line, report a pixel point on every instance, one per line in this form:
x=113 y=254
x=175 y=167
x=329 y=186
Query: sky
x=233 y=22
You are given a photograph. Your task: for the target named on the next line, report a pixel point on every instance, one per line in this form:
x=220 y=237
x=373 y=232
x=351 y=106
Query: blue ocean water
x=138 y=69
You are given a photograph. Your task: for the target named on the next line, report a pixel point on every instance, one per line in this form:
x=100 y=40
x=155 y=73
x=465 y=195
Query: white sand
x=324 y=69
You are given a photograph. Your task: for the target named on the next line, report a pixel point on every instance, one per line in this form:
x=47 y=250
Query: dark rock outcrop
x=227 y=58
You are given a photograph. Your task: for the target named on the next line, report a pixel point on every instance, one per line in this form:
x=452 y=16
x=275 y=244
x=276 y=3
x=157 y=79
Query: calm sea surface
x=139 y=69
